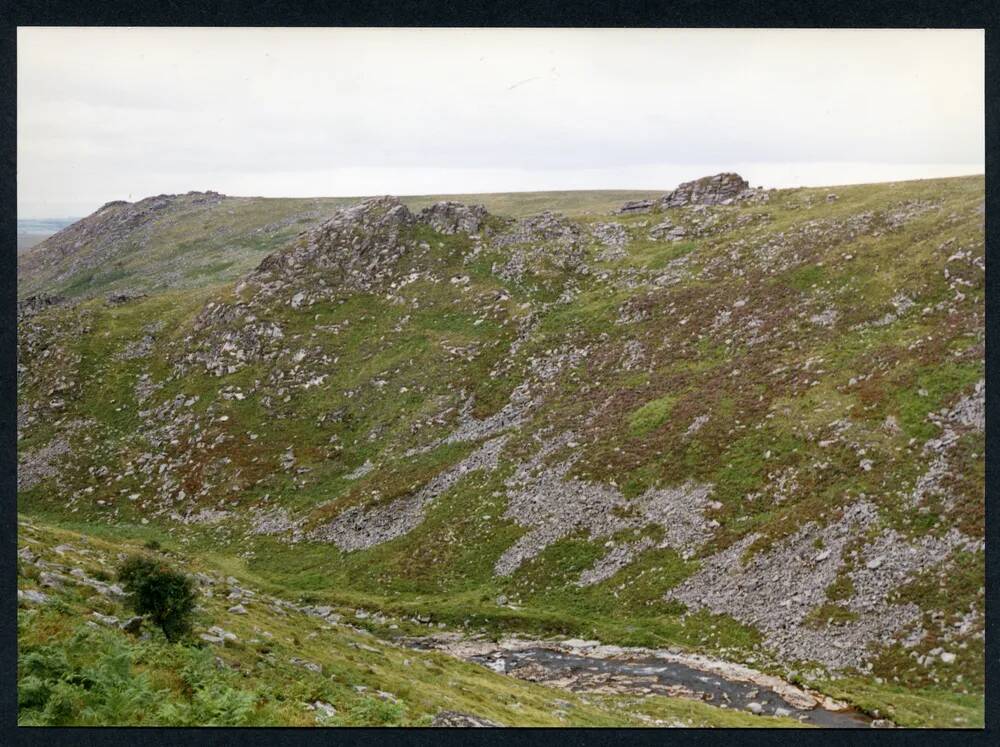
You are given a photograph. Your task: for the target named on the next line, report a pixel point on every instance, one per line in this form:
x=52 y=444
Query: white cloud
x=111 y=112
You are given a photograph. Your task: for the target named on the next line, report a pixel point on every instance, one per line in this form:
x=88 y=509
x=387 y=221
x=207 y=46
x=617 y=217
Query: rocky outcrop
x=33 y=304
x=547 y=226
x=547 y=238
x=721 y=189
x=613 y=238
x=667 y=231
x=453 y=217
x=357 y=246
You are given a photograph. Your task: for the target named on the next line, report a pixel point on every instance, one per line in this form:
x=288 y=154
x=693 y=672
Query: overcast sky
x=118 y=113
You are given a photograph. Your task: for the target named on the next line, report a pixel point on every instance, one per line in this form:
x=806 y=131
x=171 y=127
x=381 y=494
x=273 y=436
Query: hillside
x=730 y=422
x=277 y=662
x=200 y=238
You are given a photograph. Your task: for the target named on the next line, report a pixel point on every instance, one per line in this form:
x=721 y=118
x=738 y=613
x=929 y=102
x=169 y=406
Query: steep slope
x=740 y=422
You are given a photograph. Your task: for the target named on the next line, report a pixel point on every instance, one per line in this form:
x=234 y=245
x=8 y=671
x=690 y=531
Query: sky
x=125 y=113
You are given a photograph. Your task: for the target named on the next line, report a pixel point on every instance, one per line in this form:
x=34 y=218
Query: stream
x=610 y=669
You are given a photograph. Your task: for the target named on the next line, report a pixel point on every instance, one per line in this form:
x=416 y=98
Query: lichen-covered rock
x=667 y=231
x=450 y=217
x=633 y=207
x=357 y=247
x=720 y=189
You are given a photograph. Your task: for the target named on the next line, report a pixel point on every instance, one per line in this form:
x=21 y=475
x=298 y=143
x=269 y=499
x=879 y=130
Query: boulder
x=633 y=207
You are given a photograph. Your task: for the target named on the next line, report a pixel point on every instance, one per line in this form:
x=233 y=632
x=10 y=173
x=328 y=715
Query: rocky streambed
x=588 y=666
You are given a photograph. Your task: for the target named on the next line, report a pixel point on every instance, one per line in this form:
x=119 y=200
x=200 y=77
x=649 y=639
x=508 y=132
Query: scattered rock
x=459 y=719
x=326 y=710
x=111 y=622
x=305 y=664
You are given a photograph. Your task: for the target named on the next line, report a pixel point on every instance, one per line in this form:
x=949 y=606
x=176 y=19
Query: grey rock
x=32 y=596
x=305 y=664
x=52 y=580
x=326 y=710
x=667 y=231
x=453 y=217
x=462 y=720
x=636 y=206
x=225 y=635
x=720 y=189
x=110 y=621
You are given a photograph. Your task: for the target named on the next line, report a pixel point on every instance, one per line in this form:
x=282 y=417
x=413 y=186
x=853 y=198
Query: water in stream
x=651 y=674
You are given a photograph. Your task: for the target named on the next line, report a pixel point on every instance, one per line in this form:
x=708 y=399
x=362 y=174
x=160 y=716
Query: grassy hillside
x=272 y=665
x=749 y=430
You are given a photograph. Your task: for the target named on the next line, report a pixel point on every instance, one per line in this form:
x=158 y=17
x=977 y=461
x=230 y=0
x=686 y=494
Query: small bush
x=167 y=596
x=153 y=545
